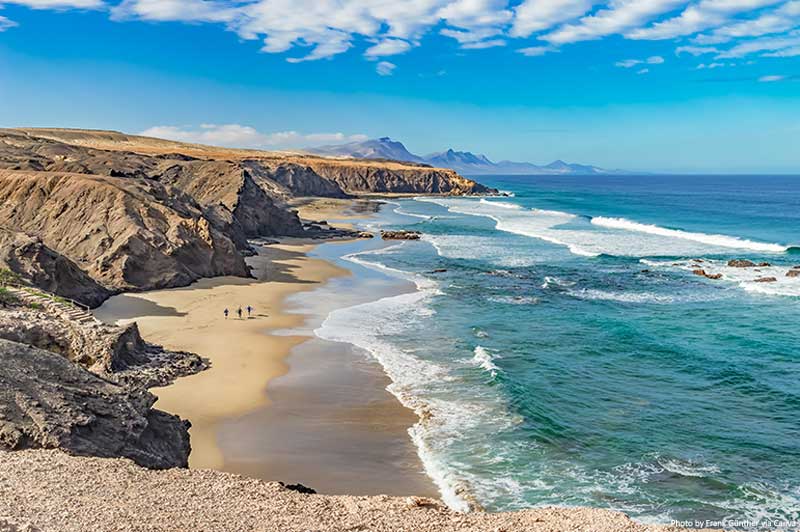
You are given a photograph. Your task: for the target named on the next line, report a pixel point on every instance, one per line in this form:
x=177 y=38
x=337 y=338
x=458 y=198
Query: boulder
x=48 y=402
x=766 y=280
x=741 y=263
x=794 y=272
x=401 y=235
x=703 y=273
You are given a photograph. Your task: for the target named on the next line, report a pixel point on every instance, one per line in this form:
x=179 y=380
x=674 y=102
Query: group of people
x=239 y=311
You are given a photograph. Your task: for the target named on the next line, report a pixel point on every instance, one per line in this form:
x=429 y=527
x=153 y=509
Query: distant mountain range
x=463 y=162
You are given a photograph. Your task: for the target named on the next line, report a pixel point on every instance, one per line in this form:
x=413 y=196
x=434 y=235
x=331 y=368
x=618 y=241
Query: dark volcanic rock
x=794 y=272
x=48 y=402
x=42 y=267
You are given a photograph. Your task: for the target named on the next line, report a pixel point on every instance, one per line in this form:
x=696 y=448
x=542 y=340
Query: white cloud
x=388 y=47
x=696 y=50
x=771 y=79
x=385 y=68
x=630 y=63
x=536 y=51
x=617 y=17
x=763 y=44
x=786 y=52
x=698 y=17
x=6 y=23
x=710 y=66
x=238 y=136
x=779 y=20
x=538 y=15
x=480 y=45
x=307 y=30
x=643 y=71
x=175 y=10
x=57 y=4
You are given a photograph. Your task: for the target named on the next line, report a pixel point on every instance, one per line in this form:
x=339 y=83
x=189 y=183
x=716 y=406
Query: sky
x=703 y=86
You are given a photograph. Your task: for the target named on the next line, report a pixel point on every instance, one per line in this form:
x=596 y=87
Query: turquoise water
x=569 y=356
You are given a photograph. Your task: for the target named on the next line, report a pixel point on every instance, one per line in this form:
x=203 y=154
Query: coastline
x=277 y=402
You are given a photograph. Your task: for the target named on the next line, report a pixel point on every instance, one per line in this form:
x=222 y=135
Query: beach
x=328 y=423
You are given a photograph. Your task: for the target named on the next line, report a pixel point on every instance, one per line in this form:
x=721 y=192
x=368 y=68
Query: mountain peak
x=464 y=162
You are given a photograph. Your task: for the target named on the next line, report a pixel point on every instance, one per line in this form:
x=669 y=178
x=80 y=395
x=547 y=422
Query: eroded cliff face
x=38 y=265
x=135 y=213
x=126 y=233
x=360 y=177
x=49 y=402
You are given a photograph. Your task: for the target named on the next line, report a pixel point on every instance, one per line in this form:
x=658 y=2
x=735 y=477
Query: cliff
x=38 y=265
x=105 y=212
x=126 y=233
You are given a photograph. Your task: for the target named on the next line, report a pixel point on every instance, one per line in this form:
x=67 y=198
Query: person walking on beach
x=226 y=313
x=249 y=310
x=239 y=312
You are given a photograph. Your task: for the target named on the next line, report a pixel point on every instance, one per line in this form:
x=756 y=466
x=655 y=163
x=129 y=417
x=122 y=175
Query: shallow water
x=569 y=356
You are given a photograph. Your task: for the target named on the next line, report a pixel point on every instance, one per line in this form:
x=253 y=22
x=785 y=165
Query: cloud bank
x=310 y=30
x=239 y=136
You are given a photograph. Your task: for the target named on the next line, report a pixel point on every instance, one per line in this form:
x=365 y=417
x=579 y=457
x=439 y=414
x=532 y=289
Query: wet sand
x=329 y=423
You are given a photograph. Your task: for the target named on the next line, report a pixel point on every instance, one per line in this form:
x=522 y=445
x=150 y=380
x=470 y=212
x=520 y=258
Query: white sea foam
x=744 y=278
x=591 y=294
x=445 y=415
x=550 y=281
x=484 y=359
x=514 y=300
x=709 y=239
x=610 y=236
x=493 y=250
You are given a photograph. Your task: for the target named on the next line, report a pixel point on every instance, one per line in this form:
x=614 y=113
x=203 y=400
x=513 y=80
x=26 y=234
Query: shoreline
x=233 y=405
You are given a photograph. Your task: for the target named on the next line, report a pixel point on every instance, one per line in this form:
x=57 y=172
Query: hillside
x=123 y=212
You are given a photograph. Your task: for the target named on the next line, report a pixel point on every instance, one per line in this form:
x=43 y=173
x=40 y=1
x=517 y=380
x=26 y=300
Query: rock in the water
x=365 y=234
x=703 y=273
x=794 y=272
x=766 y=280
x=401 y=235
x=741 y=263
x=48 y=402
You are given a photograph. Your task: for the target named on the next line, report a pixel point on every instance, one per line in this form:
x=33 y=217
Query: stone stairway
x=66 y=308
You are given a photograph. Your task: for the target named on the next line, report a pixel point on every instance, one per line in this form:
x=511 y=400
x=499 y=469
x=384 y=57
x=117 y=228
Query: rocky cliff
x=106 y=212
x=126 y=233
x=48 y=402
x=38 y=265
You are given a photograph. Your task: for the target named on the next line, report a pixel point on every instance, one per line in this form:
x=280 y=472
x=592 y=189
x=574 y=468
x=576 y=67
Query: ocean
x=559 y=349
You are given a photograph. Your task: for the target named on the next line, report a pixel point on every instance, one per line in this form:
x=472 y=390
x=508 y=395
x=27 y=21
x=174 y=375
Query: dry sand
x=334 y=426
x=243 y=357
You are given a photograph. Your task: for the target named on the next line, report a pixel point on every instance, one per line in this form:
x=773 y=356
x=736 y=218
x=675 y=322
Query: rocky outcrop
x=359 y=177
x=48 y=402
x=766 y=280
x=126 y=233
x=703 y=273
x=294 y=178
x=794 y=272
x=401 y=235
x=744 y=263
x=38 y=265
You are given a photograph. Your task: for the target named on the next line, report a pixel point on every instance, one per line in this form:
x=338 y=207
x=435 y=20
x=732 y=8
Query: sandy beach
x=335 y=427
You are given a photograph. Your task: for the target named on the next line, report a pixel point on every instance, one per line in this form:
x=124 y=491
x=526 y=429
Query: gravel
x=47 y=490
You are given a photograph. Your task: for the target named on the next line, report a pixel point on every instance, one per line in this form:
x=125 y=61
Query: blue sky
x=659 y=85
